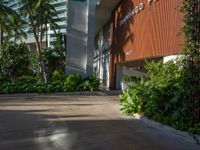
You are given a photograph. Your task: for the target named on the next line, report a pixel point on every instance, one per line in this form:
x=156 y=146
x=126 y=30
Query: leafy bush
x=54 y=59
x=14 y=60
x=6 y=88
x=25 y=84
x=72 y=82
x=133 y=99
x=58 y=83
x=90 y=84
x=164 y=90
x=160 y=97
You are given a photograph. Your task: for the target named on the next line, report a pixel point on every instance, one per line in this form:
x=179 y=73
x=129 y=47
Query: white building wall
x=171 y=58
x=80 y=36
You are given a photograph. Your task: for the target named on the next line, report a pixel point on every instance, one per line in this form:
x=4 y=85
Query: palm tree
x=18 y=27
x=4 y=12
x=47 y=18
x=6 y=23
x=40 y=14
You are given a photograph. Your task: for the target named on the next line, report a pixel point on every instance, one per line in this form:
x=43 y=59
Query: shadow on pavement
x=30 y=130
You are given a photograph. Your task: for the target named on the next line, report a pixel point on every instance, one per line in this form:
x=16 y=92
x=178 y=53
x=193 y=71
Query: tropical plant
x=10 y=22
x=160 y=97
x=14 y=60
x=58 y=83
x=72 y=82
x=54 y=58
x=39 y=14
x=90 y=83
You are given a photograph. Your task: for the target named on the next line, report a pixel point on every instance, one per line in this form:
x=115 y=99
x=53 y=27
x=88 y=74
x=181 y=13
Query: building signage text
x=129 y=52
x=135 y=11
x=150 y=1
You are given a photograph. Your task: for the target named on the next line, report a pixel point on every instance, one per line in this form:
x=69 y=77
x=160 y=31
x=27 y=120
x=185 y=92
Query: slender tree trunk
x=41 y=63
x=46 y=36
x=15 y=39
x=1 y=36
x=38 y=47
x=41 y=38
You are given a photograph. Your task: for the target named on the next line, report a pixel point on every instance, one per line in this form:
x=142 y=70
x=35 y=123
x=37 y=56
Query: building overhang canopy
x=103 y=12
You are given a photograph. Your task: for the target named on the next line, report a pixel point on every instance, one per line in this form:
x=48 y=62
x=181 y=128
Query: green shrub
x=7 y=88
x=58 y=83
x=19 y=71
x=130 y=102
x=14 y=60
x=160 y=97
x=54 y=59
x=25 y=84
x=134 y=99
x=72 y=82
x=90 y=84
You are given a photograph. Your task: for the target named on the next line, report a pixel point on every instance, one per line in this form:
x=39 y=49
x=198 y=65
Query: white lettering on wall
x=150 y=1
x=135 y=11
x=129 y=52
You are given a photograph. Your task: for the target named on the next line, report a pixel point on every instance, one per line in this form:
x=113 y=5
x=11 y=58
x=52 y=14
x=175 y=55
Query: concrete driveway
x=78 y=123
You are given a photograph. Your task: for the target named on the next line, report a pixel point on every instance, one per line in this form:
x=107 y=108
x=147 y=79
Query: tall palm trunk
x=38 y=47
x=1 y=36
x=46 y=36
x=41 y=37
x=41 y=63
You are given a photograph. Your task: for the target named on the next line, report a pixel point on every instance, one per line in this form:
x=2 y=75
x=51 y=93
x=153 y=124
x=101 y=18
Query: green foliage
x=14 y=60
x=130 y=102
x=90 y=84
x=164 y=88
x=42 y=70
x=191 y=64
x=72 y=82
x=160 y=97
x=54 y=59
x=58 y=83
x=10 y=22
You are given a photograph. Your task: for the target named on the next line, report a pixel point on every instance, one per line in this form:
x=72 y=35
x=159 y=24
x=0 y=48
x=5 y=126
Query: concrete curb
x=82 y=93
x=161 y=126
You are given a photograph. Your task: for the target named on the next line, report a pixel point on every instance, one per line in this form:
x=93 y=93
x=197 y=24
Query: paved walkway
x=77 y=123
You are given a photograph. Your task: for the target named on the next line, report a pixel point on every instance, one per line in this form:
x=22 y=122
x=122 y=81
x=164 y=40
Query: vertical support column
x=112 y=69
x=91 y=36
x=77 y=36
x=80 y=36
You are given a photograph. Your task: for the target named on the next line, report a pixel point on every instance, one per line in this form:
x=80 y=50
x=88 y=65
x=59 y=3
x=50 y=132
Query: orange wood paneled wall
x=153 y=32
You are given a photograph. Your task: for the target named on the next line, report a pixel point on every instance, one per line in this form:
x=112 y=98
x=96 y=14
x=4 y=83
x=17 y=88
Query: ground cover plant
x=19 y=72
x=58 y=83
x=161 y=97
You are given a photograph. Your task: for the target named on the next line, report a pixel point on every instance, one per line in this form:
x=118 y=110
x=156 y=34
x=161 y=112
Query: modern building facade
x=61 y=8
x=112 y=38
x=80 y=36
x=131 y=32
